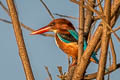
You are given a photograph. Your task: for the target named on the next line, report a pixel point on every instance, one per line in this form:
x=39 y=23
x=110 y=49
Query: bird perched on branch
x=66 y=38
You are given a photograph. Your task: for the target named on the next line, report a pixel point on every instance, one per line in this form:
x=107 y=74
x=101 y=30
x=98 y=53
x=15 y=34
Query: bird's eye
x=52 y=24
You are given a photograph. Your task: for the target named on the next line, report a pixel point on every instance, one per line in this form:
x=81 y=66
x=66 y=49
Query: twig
x=93 y=42
x=88 y=20
x=80 y=40
x=66 y=16
x=95 y=11
x=110 y=70
x=26 y=27
x=114 y=30
x=80 y=33
x=49 y=74
x=95 y=18
x=20 y=41
x=99 y=5
x=6 y=10
x=61 y=76
x=60 y=70
x=6 y=21
x=114 y=62
x=104 y=41
x=91 y=30
x=70 y=73
x=98 y=46
x=109 y=65
x=47 y=9
x=88 y=52
x=117 y=37
x=115 y=8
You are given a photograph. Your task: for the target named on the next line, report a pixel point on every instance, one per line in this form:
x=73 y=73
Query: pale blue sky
x=42 y=50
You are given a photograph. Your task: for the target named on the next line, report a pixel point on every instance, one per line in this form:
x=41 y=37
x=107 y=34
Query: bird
x=66 y=38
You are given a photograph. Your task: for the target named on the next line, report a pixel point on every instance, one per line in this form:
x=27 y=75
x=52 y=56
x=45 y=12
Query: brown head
x=60 y=25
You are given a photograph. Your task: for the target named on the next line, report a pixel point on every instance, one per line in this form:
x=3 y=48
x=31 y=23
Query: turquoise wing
x=74 y=34
x=62 y=39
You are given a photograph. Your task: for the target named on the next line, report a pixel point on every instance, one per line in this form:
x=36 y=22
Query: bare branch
x=93 y=42
x=99 y=5
x=88 y=52
x=95 y=11
x=70 y=73
x=110 y=69
x=81 y=39
x=104 y=42
x=47 y=9
x=114 y=62
x=114 y=30
x=81 y=31
x=66 y=16
x=109 y=65
x=20 y=41
x=49 y=74
x=6 y=10
x=23 y=25
x=117 y=37
x=98 y=46
x=60 y=70
x=26 y=27
x=61 y=76
x=88 y=20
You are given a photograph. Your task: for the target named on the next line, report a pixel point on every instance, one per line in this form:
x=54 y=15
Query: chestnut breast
x=71 y=49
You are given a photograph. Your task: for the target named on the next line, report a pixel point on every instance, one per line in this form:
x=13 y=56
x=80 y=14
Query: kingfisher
x=66 y=38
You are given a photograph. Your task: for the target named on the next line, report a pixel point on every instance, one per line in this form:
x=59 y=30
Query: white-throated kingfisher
x=66 y=38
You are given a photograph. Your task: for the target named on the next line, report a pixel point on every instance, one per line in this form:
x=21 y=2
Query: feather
x=74 y=34
x=73 y=37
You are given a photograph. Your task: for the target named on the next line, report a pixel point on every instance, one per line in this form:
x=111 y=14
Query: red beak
x=41 y=30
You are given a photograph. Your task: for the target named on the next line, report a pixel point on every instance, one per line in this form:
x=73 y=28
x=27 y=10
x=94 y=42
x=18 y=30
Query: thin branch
x=104 y=42
x=61 y=76
x=115 y=7
x=95 y=11
x=88 y=52
x=98 y=46
x=4 y=8
x=20 y=41
x=47 y=9
x=114 y=62
x=117 y=37
x=93 y=42
x=109 y=65
x=70 y=73
x=6 y=21
x=66 y=16
x=80 y=40
x=26 y=27
x=110 y=70
x=100 y=6
x=49 y=74
x=60 y=70
x=114 y=30
x=91 y=31
x=81 y=31
x=88 y=19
